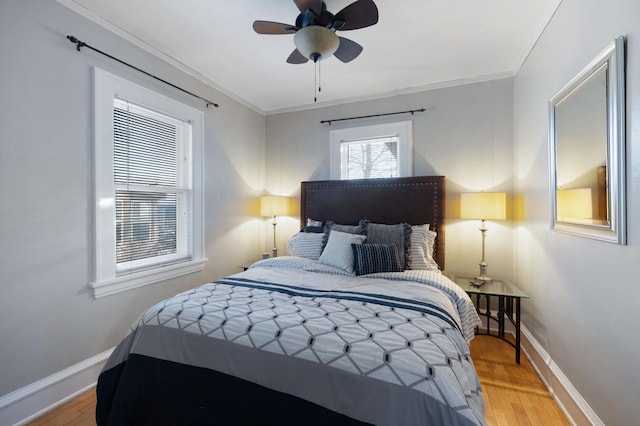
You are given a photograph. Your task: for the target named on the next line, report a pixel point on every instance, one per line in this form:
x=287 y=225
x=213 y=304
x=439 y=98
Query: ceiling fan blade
x=359 y=14
x=348 y=50
x=304 y=5
x=297 y=58
x=268 y=27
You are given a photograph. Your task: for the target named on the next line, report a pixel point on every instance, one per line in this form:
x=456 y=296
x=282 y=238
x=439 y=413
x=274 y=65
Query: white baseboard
x=567 y=397
x=24 y=405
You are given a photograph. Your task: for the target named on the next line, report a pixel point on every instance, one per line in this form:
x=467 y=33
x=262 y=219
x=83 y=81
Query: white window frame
x=402 y=129
x=106 y=280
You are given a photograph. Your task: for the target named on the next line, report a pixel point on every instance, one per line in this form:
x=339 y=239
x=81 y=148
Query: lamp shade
x=483 y=205
x=574 y=203
x=316 y=42
x=274 y=205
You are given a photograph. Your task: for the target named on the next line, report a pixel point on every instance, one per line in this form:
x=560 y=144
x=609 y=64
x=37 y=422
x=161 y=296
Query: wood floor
x=513 y=394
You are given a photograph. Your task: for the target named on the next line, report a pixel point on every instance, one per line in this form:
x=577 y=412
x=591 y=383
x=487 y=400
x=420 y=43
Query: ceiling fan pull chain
x=315 y=81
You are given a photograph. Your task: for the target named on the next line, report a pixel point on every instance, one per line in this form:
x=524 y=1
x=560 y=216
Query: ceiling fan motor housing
x=323 y=18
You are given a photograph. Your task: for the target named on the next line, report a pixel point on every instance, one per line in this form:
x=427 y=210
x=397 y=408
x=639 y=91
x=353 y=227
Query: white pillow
x=338 y=251
x=311 y=222
x=306 y=244
x=421 y=248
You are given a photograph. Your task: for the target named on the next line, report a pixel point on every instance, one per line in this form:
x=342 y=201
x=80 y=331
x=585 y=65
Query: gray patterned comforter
x=388 y=349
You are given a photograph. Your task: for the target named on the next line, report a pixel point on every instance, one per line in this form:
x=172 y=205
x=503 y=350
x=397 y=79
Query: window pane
x=373 y=158
x=145 y=225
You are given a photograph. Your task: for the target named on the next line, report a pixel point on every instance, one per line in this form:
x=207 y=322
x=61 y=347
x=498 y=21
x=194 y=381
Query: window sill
x=129 y=282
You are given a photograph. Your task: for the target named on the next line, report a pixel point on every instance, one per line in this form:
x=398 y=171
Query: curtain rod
x=374 y=115
x=80 y=44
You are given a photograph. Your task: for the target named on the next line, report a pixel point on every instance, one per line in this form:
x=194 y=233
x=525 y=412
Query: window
x=378 y=151
x=148 y=187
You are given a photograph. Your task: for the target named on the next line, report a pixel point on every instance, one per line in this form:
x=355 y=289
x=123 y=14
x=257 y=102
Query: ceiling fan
x=315 y=27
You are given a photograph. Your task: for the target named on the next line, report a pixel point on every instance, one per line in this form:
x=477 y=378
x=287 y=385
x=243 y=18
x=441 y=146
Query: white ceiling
x=416 y=44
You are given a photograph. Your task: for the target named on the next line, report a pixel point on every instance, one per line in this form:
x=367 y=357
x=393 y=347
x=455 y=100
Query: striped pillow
x=306 y=244
x=421 y=248
x=372 y=258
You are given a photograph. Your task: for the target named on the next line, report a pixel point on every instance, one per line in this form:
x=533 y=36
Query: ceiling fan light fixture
x=316 y=42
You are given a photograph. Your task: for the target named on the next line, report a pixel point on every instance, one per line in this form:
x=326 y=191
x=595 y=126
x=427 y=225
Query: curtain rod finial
x=78 y=43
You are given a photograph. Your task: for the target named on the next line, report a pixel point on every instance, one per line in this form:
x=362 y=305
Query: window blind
x=153 y=188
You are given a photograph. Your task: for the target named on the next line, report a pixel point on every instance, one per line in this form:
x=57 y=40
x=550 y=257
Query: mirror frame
x=615 y=230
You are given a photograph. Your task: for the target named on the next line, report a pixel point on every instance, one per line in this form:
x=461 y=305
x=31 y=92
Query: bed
x=338 y=333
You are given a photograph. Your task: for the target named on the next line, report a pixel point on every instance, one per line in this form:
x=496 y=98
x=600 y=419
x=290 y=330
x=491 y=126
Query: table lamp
x=483 y=206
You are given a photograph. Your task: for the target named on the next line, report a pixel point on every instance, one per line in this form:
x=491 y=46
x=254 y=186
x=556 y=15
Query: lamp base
x=480 y=280
x=275 y=249
x=483 y=278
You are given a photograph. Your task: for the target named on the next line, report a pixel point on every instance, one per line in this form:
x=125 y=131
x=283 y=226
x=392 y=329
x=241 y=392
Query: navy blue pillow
x=313 y=229
x=372 y=258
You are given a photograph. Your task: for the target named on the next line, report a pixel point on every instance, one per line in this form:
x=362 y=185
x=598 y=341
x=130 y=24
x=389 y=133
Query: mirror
x=587 y=150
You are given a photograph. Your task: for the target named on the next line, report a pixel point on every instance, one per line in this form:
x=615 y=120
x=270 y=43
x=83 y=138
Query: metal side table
x=509 y=297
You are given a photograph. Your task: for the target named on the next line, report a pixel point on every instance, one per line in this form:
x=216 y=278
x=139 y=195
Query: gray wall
x=584 y=293
x=48 y=317
x=466 y=134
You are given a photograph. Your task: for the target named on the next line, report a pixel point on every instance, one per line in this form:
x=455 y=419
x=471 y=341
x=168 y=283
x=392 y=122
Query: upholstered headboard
x=413 y=200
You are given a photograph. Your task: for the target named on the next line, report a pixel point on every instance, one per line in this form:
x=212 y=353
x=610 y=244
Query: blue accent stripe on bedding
x=390 y=301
